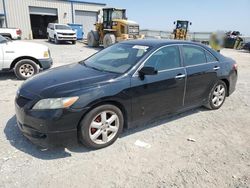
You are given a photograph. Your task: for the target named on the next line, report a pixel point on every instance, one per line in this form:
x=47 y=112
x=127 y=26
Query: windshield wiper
x=95 y=68
x=99 y=69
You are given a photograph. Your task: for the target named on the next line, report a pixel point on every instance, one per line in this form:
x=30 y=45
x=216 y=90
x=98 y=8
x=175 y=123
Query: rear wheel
x=25 y=68
x=108 y=40
x=73 y=42
x=93 y=39
x=101 y=126
x=217 y=96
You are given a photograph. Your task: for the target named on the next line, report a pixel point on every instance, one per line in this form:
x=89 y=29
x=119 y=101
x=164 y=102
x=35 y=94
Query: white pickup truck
x=11 y=33
x=26 y=58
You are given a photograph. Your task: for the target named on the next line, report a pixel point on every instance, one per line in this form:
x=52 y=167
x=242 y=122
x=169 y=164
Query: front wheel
x=49 y=39
x=25 y=68
x=56 y=41
x=108 y=40
x=217 y=96
x=101 y=126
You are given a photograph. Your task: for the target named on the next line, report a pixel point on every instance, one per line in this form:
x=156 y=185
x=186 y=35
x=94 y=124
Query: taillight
x=18 y=32
x=235 y=66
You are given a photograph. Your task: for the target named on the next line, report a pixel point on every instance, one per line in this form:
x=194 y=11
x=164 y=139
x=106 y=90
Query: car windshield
x=2 y=39
x=63 y=27
x=118 y=58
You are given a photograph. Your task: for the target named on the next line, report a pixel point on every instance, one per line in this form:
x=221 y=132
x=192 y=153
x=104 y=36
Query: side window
x=210 y=57
x=194 y=55
x=165 y=58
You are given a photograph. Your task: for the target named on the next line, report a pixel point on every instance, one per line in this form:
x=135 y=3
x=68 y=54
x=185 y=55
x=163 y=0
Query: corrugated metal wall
x=86 y=18
x=17 y=12
x=1 y=7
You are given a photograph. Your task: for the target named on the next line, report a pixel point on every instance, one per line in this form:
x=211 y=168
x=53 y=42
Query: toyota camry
x=122 y=86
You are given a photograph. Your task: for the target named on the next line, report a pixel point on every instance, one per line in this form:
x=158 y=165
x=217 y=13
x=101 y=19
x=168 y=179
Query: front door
x=162 y=93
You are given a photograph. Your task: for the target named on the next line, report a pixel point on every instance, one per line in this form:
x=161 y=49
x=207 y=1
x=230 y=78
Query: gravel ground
x=216 y=155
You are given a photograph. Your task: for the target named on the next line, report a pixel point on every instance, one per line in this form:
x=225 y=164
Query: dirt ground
x=199 y=148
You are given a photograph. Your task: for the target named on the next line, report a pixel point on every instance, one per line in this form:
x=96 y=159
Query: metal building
x=33 y=16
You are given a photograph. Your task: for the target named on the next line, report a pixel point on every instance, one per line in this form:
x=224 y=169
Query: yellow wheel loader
x=114 y=27
x=181 y=29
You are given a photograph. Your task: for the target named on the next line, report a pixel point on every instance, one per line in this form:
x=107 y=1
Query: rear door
x=202 y=70
x=162 y=93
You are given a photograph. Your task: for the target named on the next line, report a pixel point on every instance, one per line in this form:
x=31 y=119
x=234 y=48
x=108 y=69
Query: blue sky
x=206 y=15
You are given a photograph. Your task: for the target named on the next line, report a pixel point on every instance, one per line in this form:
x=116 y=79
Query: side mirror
x=174 y=23
x=190 y=23
x=147 y=71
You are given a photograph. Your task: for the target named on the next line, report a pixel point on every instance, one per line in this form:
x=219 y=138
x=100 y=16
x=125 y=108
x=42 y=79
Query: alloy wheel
x=218 y=95
x=104 y=127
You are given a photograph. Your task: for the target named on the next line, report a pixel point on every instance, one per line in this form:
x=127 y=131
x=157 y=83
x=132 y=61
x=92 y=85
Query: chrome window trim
x=135 y=74
x=200 y=64
x=205 y=50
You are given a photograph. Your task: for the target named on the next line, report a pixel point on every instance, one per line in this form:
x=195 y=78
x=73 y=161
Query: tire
x=73 y=42
x=108 y=40
x=20 y=67
x=93 y=39
x=102 y=127
x=56 y=41
x=218 y=98
x=49 y=39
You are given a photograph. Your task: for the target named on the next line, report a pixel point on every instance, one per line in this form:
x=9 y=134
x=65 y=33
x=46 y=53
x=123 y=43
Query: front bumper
x=66 y=38
x=48 y=139
x=46 y=127
x=46 y=63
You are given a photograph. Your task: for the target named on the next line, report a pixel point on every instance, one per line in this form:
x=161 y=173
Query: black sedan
x=125 y=85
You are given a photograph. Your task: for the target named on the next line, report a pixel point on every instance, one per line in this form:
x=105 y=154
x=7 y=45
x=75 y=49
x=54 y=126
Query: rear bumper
x=232 y=82
x=46 y=63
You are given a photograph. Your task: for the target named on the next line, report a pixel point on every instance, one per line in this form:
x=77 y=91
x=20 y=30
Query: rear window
x=194 y=55
x=210 y=57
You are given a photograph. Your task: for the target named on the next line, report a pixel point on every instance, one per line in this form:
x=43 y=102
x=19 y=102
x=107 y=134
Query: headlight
x=46 y=54
x=55 y=103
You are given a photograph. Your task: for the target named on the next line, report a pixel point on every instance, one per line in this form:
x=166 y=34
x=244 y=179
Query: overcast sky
x=206 y=15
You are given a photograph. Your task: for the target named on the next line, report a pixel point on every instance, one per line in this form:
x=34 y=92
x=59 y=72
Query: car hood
x=23 y=45
x=65 y=31
x=66 y=80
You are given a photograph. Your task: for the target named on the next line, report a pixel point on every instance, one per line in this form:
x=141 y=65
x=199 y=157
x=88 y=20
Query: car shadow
x=17 y=140
x=5 y=75
x=20 y=142
x=60 y=43
x=163 y=120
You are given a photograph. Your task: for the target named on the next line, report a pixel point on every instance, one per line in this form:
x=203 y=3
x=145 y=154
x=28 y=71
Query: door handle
x=179 y=76
x=216 y=68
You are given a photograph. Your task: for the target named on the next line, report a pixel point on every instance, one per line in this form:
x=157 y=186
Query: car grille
x=133 y=30
x=22 y=101
x=68 y=34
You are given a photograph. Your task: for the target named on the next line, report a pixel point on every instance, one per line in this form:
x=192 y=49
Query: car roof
x=158 y=42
